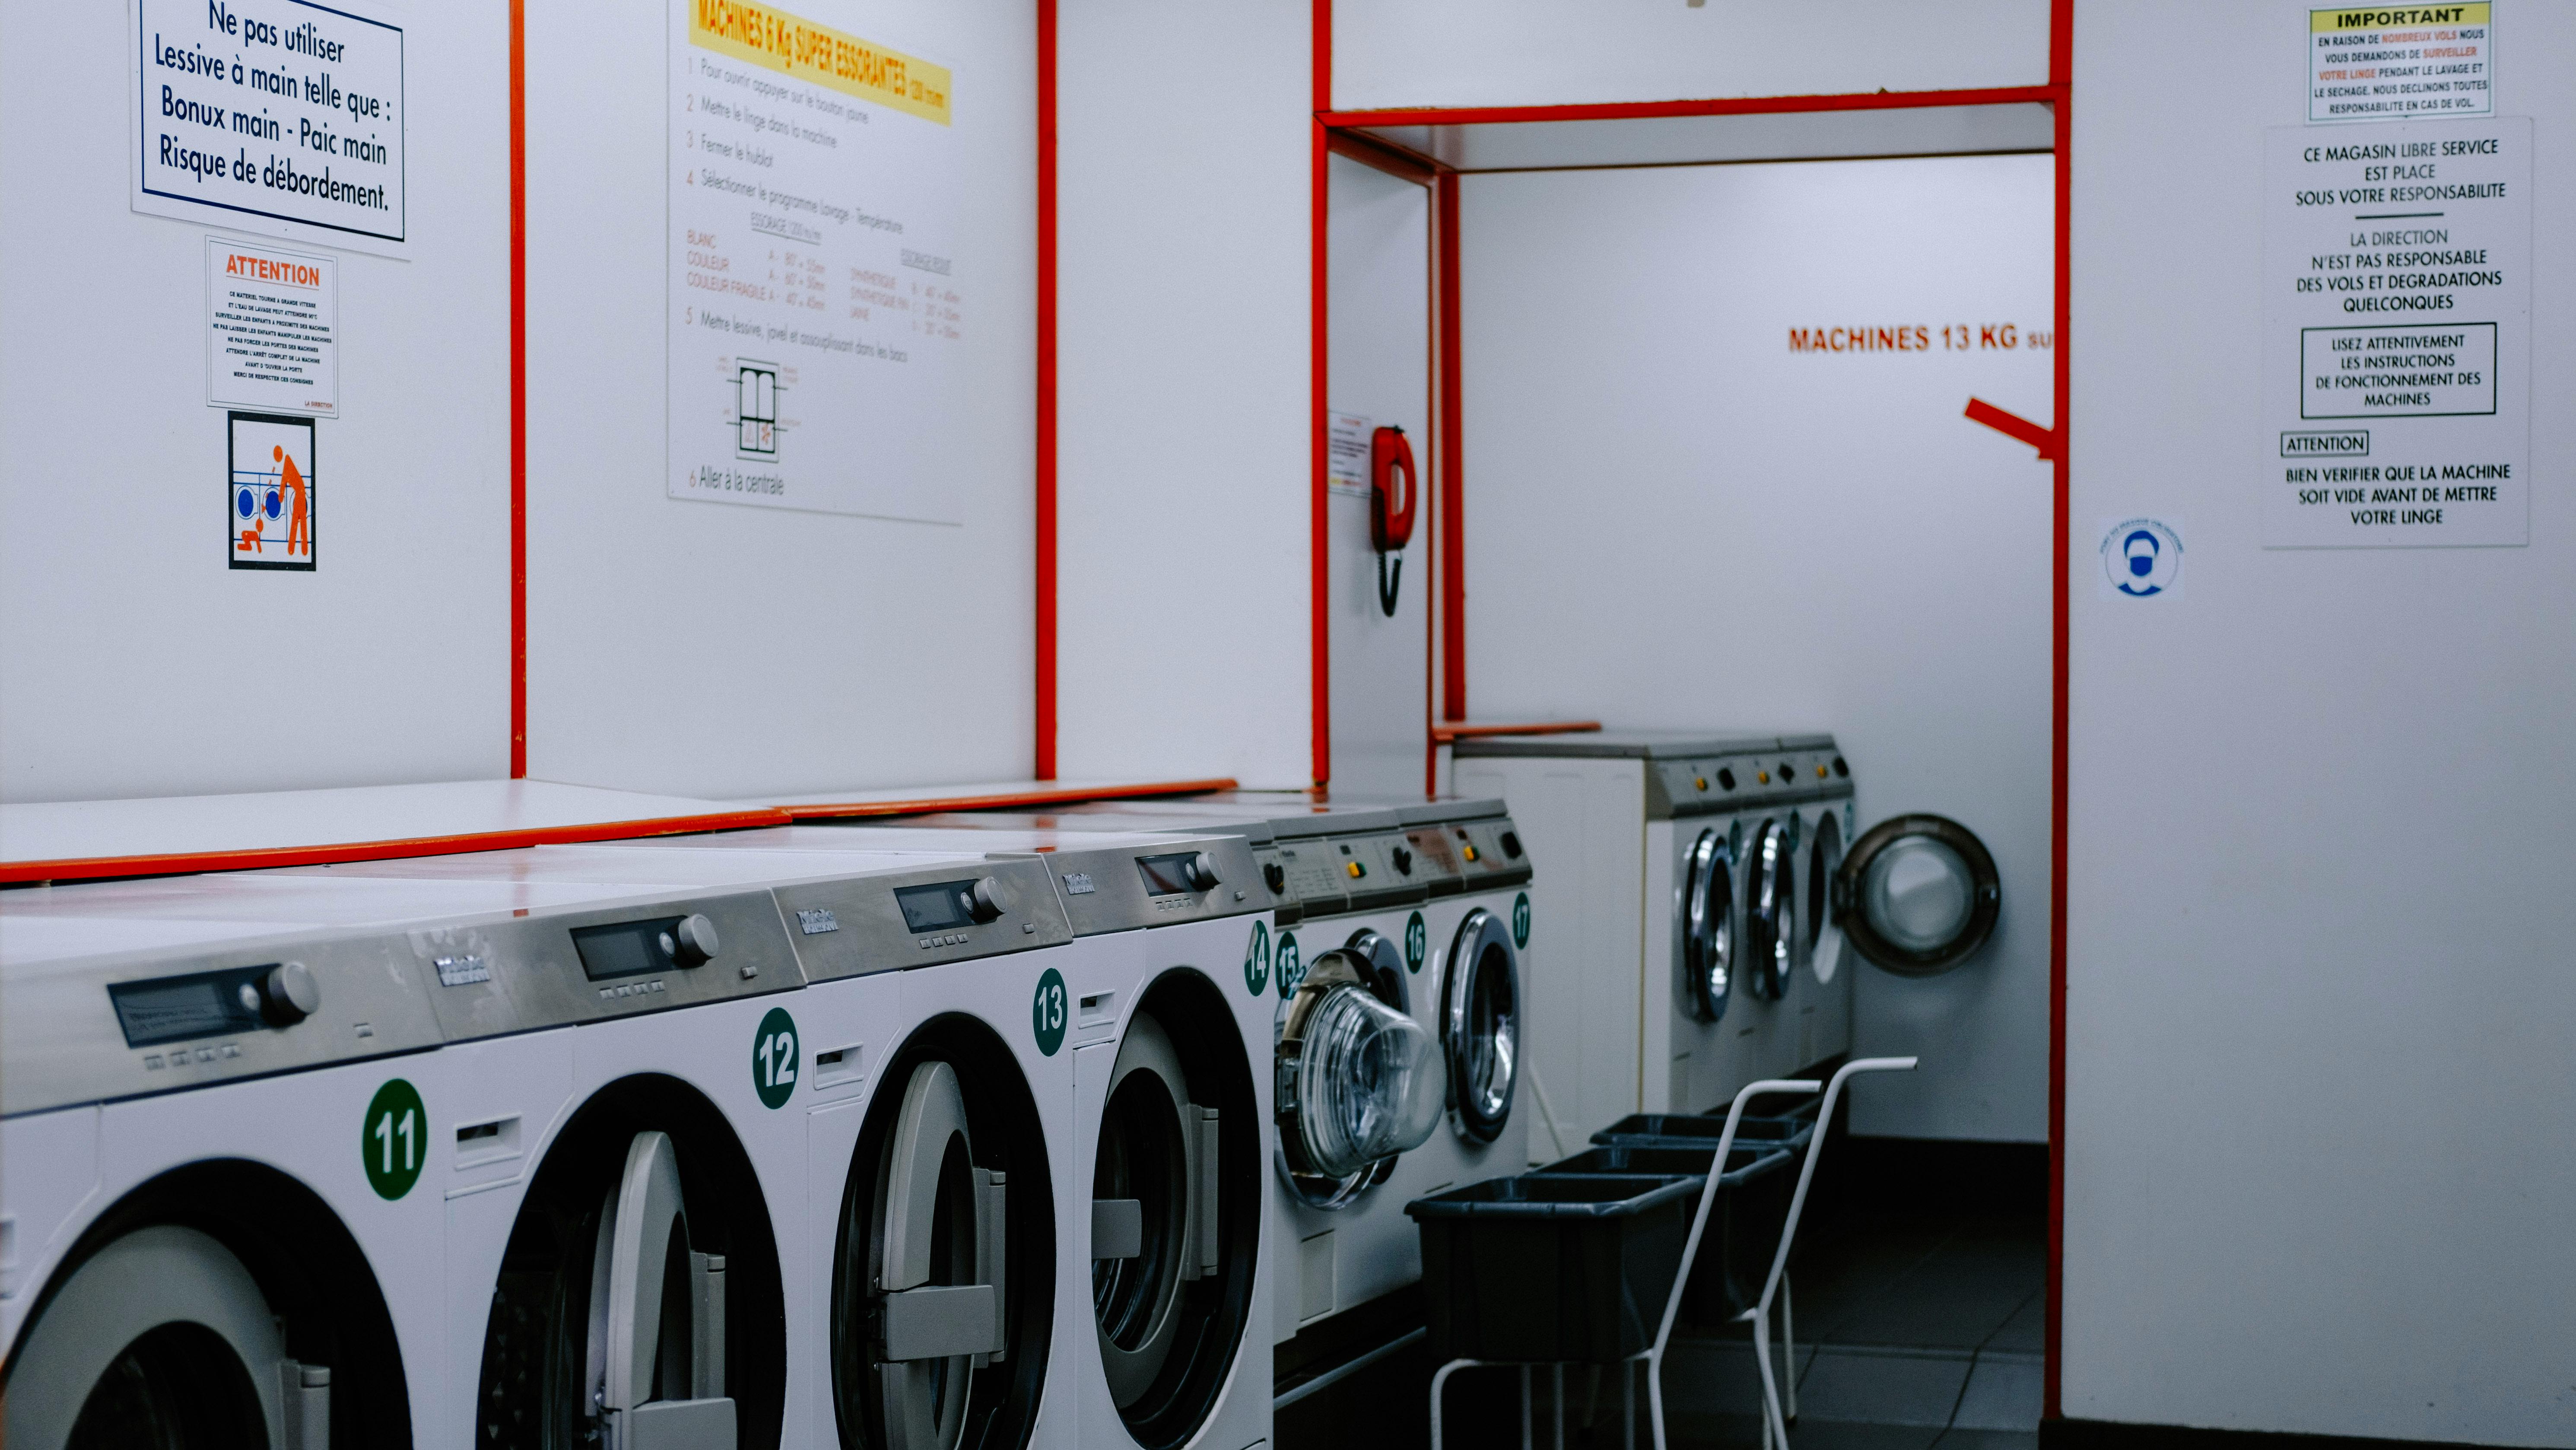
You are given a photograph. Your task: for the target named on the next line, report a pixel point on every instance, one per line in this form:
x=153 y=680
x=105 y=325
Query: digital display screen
x=175 y=1009
x=937 y=907
x=628 y=948
x=1167 y=875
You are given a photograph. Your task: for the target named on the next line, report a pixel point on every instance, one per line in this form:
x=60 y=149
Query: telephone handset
x=1390 y=522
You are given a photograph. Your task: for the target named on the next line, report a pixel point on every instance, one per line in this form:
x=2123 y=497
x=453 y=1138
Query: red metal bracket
x=2013 y=427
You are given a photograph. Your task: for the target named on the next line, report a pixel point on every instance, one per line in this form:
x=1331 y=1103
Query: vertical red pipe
x=1319 y=577
x=1043 y=764
x=1453 y=468
x=518 y=391
x=2061 y=77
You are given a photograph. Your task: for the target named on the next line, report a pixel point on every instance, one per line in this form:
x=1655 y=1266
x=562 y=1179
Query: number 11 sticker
x=393 y=1139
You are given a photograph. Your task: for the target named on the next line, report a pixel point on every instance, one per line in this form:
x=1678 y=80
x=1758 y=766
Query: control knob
x=1200 y=871
x=288 y=994
x=988 y=899
x=694 y=940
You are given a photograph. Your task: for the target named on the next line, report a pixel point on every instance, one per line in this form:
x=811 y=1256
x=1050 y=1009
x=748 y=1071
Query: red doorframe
x=1042 y=765
x=2058 y=93
x=518 y=391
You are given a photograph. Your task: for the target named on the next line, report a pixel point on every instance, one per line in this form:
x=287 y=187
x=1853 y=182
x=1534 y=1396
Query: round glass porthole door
x=1480 y=1013
x=1824 y=862
x=638 y=1301
x=1708 y=928
x=1771 y=907
x=1175 y=1209
x=1358 y=1082
x=943 y=1266
x=1918 y=894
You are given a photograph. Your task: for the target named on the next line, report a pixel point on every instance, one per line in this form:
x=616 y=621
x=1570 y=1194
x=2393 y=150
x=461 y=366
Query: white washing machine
x=1718 y=865
x=1424 y=906
x=226 y=1157
x=1162 y=1182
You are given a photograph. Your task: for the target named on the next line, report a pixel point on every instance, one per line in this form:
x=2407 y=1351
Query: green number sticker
x=773 y=1058
x=1520 y=921
x=1256 y=959
x=1292 y=967
x=393 y=1139
x=1417 y=942
x=1046 y=1011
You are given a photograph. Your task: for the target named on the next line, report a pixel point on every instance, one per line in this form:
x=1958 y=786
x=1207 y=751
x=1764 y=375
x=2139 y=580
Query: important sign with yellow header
x=2401 y=62
x=795 y=46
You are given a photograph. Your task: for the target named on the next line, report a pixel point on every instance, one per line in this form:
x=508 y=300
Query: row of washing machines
x=969 y=1133
x=976 y=1130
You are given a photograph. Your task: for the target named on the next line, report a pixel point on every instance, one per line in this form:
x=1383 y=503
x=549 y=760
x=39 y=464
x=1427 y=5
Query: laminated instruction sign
x=816 y=287
x=273 y=116
x=2397 y=312
x=2392 y=62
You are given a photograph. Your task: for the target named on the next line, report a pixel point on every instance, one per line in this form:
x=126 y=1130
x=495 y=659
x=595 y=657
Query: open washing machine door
x=1707 y=911
x=944 y=1259
x=1917 y=895
x=1358 y=1082
x=1771 y=905
x=163 y=1339
x=1175 y=1209
x=637 y=1303
x=1480 y=1010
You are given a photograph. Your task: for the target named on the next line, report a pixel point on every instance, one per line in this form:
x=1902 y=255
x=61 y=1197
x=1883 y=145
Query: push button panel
x=1492 y=853
x=551 y=969
x=922 y=917
x=134 y=1023
x=1379 y=869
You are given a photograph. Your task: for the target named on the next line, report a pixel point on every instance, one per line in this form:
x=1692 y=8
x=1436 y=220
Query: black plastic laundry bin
x=1744 y=1222
x=1791 y=1130
x=1551 y=1266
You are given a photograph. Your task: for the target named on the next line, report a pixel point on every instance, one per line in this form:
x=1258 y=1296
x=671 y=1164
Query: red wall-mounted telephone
x=1390 y=522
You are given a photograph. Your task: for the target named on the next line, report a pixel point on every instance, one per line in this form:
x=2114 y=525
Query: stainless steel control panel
x=493 y=976
x=127 y=1025
x=924 y=917
x=1125 y=888
x=1490 y=853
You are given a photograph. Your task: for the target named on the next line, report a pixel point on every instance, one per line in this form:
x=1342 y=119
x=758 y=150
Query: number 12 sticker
x=773 y=1058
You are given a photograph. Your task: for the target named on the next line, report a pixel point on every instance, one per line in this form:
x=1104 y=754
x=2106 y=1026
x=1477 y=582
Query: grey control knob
x=696 y=937
x=988 y=900
x=288 y=994
x=1200 y=872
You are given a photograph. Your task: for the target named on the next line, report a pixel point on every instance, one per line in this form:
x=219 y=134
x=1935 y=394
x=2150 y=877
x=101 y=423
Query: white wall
x=1563 y=52
x=1184 y=462
x=2319 y=1086
x=1379 y=367
x=714 y=649
x=133 y=661
x=1674 y=520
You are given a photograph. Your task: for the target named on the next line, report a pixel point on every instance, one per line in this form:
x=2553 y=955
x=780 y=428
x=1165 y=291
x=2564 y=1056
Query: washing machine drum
x=1480 y=1015
x=1358 y=1082
x=162 y=1338
x=1708 y=928
x=1771 y=906
x=1918 y=894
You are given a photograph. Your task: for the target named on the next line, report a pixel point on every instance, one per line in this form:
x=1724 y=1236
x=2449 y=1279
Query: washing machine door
x=1824 y=863
x=1358 y=1082
x=655 y=1351
x=935 y=1246
x=1708 y=927
x=161 y=1339
x=1771 y=906
x=1480 y=1011
x=1918 y=894
x=1175 y=1209
x=1384 y=967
